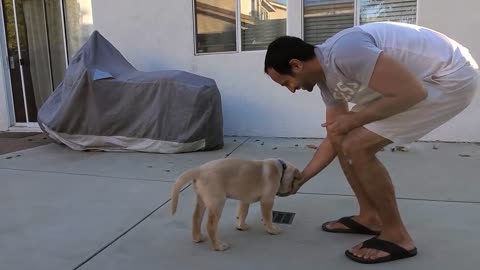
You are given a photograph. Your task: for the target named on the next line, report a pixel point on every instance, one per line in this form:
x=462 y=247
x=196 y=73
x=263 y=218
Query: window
x=233 y=25
x=388 y=10
x=215 y=26
x=262 y=22
x=78 y=23
x=324 y=18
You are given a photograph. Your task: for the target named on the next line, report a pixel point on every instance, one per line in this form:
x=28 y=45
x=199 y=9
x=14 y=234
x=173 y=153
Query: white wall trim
x=295 y=18
x=32 y=128
x=356 y=12
x=418 y=13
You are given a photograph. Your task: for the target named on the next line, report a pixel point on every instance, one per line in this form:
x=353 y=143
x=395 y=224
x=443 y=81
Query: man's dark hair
x=284 y=49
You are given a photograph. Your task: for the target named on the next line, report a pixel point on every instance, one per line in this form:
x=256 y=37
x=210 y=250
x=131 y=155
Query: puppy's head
x=290 y=175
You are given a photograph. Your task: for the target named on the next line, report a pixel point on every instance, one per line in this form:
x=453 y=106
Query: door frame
x=7 y=110
x=7 y=113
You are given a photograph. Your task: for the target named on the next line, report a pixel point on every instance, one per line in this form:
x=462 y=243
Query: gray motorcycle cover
x=104 y=103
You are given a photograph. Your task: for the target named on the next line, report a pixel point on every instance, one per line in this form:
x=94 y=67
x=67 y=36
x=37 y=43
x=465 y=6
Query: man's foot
x=199 y=238
x=273 y=230
x=243 y=227
x=221 y=246
x=353 y=224
x=378 y=249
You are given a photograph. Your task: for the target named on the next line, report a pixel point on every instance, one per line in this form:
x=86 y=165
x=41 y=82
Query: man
x=404 y=81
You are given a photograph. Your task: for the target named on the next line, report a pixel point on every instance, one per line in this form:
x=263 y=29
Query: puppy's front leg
x=242 y=215
x=267 y=207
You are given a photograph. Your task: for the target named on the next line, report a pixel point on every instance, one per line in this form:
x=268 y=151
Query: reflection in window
x=56 y=40
x=215 y=26
x=262 y=22
x=325 y=18
x=79 y=23
x=388 y=10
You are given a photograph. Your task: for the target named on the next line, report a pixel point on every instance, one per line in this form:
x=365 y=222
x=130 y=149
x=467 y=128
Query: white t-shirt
x=349 y=57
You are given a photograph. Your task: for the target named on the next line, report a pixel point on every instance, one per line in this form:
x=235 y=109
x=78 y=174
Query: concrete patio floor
x=62 y=209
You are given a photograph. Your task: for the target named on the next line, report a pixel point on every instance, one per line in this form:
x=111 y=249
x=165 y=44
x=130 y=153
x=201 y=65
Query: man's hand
x=296 y=185
x=342 y=124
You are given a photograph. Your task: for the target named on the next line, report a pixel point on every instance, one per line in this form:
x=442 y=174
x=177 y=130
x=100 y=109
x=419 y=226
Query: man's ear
x=296 y=65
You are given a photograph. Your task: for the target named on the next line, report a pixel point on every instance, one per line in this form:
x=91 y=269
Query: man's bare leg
x=367 y=214
x=361 y=146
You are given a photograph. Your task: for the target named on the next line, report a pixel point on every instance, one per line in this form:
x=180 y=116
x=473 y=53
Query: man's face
x=299 y=79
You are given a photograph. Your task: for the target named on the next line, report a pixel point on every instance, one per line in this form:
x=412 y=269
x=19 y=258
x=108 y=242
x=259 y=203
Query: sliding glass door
x=40 y=35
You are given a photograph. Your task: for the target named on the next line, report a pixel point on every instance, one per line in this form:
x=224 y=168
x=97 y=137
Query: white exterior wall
x=153 y=36
x=460 y=21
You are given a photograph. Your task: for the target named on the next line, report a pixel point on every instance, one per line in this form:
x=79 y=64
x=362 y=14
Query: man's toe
x=359 y=253
x=335 y=225
x=373 y=255
x=368 y=254
x=355 y=248
x=381 y=254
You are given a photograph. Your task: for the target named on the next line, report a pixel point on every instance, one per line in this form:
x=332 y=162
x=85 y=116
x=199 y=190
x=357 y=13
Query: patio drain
x=282 y=217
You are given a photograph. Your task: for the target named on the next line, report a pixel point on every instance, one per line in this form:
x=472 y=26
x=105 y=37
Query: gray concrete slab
x=155 y=167
x=447 y=173
x=445 y=233
x=53 y=221
x=60 y=208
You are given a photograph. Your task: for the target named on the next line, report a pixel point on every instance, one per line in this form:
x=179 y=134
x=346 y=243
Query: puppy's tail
x=181 y=181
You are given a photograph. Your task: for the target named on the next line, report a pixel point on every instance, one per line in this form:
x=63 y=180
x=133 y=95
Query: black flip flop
x=395 y=251
x=353 y=227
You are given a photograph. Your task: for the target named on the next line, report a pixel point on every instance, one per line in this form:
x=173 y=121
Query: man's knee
x=363 y=141
x=346 y=145
x=359 y=144
x=336 y=142
x=353 y=149
x=356 y=149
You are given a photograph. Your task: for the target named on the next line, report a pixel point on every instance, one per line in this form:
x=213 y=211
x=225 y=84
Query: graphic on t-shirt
x=347 y=91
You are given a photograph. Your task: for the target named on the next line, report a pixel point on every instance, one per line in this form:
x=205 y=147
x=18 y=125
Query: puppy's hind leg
x=197 y=218
x=267 y=207
x=242 y=215
x=214 y=214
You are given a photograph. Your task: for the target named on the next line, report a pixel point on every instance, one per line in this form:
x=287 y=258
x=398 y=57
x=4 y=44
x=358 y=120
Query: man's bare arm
x=399 y=87
x=325 y=153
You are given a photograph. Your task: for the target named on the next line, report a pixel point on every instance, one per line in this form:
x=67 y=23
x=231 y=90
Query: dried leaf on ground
x=312 y=146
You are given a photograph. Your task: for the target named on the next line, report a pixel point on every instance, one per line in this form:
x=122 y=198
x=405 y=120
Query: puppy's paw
x=199 y=238
x=243 y=227
x=221 y=246
x=274 y=230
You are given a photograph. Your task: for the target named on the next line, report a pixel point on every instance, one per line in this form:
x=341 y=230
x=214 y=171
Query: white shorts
x=447 y=97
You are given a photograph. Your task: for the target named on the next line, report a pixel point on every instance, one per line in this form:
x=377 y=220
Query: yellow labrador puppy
x=248 y=181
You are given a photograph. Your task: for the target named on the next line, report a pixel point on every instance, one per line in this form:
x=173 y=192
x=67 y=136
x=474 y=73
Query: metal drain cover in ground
x=282 y=217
